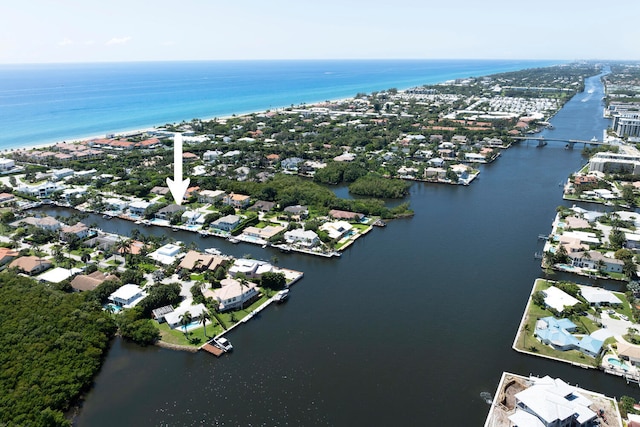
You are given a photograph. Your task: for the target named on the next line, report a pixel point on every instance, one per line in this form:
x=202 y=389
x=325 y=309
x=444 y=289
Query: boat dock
x=210 y=348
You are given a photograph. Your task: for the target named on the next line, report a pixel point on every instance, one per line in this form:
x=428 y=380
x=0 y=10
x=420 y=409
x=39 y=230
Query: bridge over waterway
x=542 y=141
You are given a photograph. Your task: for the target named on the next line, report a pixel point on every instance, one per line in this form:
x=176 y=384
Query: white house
x=551 y=403
x=302 y=237
x=167 y=254
x=174 y=317
x=127 y=296
x=210 y=196
x=232 y=294
x=138 y=207
x=336 y=229
x=227 y=223
x=6 y=164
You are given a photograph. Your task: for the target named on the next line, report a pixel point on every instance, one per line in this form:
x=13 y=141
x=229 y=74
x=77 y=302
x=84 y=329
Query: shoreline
x=12 y=147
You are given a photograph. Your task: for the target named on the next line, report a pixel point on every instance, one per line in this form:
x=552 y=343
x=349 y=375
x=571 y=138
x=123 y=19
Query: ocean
x=46 y=103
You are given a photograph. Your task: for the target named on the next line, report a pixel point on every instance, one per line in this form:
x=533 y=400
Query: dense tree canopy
x=51 y=346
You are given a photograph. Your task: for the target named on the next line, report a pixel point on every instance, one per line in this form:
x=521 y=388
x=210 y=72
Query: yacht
x=223 y=344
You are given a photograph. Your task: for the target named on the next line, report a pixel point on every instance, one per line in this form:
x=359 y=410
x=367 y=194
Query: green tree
x=185 y=320
x=204 y=317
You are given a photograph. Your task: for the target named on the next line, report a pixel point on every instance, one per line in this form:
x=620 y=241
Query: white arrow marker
x=177 y=186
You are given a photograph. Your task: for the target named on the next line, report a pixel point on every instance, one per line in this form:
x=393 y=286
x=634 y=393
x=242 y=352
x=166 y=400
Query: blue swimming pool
x=617 y=363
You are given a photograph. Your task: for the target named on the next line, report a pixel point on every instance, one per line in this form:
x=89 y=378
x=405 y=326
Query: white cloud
x=65 y=42
x=118 y=40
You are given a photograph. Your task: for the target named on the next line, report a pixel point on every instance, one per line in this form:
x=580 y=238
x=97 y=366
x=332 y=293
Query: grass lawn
x=195 y=337
x=360 y=227
x=527 y=342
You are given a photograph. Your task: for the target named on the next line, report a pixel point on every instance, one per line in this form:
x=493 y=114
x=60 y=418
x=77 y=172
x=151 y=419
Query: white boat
x=213 y=251
x=281 y=296
x=594 y=139
x=233 y=240
x=223 y=344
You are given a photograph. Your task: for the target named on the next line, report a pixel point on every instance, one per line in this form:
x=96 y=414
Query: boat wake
x=486 y=396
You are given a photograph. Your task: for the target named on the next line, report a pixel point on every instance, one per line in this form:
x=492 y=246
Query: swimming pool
x=114 y=308
x=617 y=363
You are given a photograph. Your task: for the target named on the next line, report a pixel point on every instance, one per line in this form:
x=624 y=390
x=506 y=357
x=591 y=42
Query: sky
x=46 y=31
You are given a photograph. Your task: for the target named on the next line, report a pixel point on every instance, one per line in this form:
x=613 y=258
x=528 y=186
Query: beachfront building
x=232 y=294
x=305 y=238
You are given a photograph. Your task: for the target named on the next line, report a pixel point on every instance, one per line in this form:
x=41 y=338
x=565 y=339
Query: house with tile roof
x=30 y=264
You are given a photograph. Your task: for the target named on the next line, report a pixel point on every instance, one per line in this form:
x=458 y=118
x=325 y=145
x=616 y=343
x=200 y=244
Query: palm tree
x=185 y=319
x=85 y=257
x=124 y=247
x=203 y=319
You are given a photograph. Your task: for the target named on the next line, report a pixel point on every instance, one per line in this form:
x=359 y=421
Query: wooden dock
x=217 y=352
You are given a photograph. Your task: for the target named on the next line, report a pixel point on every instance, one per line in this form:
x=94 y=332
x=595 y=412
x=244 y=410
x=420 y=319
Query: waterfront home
x=436 y=162
x=102 y=241
x=192 y=218
x=306 y=238
x=598 y=296
x=210 y=196
x=138 y=207
x=30 y=264
x=232 y=294
x=238 y=201
x=265 y=233
x=336 y=229
x=227 y=223
x=160 y=312
x=115 y=205
x=47 y=223
x=78 y=230
x=550 y=402
x=345 y=215
x=629 y=352
x=594 y=260
x=174 y=318
x=195 y=260
x=127 y=296
x=558 y=299
x=557 y=333
x=250 y=268
x=168 y=211
x=435 y=173
x=88 y=282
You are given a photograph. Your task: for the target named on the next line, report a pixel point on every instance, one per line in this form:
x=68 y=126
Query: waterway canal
x=407 y=328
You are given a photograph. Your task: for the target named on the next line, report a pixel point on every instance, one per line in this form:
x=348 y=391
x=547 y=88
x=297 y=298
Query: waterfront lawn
x=526 y=342
x=195 y=337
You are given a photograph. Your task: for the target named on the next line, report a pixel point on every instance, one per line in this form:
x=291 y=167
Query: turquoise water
x=618 y=364
x=51 y=102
